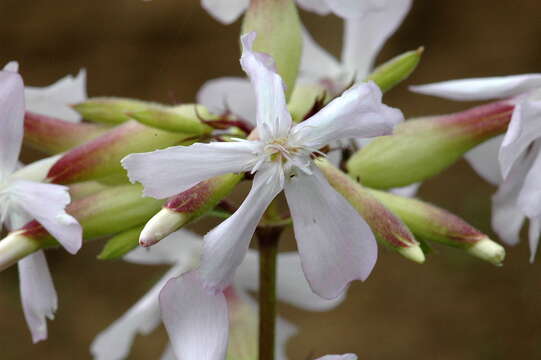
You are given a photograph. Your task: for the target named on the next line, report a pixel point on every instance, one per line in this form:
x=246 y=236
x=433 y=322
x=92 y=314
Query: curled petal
x=225 y=11
x=196 y=320
x=47 y=204
x=481 y=88
x=358 y=112
x=54 y=100
x=484 y=159
x=11 y=120
x=273 y=118
x=167 y=172
x=229 y=94
x=38 y=294
x=226 y=245
x=335 y=244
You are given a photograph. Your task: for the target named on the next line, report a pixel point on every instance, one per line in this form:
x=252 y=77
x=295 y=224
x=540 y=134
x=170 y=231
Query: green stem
x=268 y=250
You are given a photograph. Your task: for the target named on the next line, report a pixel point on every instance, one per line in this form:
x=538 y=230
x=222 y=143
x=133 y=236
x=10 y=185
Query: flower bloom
x=513 y=160
x=22 y=200
x=182 y=251
x=335 y=244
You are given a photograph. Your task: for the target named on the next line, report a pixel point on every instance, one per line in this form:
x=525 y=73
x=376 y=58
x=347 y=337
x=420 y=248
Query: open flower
x=512 y=161
x=335 y=244
x=182 y=251
x=23 y=200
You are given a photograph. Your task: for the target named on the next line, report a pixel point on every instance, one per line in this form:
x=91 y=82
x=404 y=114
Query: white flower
x=512 y=161
x=182 y=251
x=335 y=244
x=23 y=200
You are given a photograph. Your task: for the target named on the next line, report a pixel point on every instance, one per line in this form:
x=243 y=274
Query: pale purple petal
x=533 y=236
x=11 y=120
x=339 y=357
x=336 y=245
x=38 y=294
x=316 y=63
x=319 y=7
x=484 y=160
x=273 y=118
x=167 y=172
x=358 y=112
x=365 y=36
x=229 y=94
x=55 y=100
x=524 y=128
x=47 y=204
x=292 y=287
x=481 y=88
x=225 y=11
x=225 y=246
x=196 y=319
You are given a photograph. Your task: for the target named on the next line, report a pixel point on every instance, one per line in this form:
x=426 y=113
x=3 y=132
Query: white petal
x=168 y=354
x=335 y=244
x=319 y=7
x=339 y=357
x=284 y=331
x=481 y=88
x=225 y=11
x=292 y=287
x=524 y=128
x=529 y=198
x=36 y=171
x=47 y=203
x=229 y=94
x=533 y=236
x=273 y=118
x=144 y=317
x=11 y=121
x=406 y=191
x=358 y=112
x=484 y=160
x=225 y=246
x=38 y=295
x=355 y=8
x=364 y=36
x=54 y=100
x=196 y=320
x=167 y=172
x=316 y=63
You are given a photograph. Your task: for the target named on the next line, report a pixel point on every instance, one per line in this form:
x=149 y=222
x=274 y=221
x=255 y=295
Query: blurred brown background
x=453 y=307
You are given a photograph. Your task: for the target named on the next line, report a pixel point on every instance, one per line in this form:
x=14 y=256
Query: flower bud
x=121 y=244
x=16 y=246
x=183 y=118
x=387 y=227
x=422 y=148
x=187 y=206
x=110 y=110
x=432 y=223
x=278 y=29
x=54 y=136
x=101 y=157
x=396 y=70
x=306 y=100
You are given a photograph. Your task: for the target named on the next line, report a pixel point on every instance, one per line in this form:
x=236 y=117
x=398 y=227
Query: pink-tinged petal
x=319 y=7
x=292 y=285
x=225 y=246
x=38 y=294
x=358 y=112
x=47 y=204
x=484 y=160
x=316 y=63
x=11 y=120
x=142 y=318
x=168 y=172
x=335 y=244
x=225 y=11
x=533 y=236
x=55 y=100
x=364 y=36
x=229 y=94
x=524 y=128
x=273 y=118
x=481 y=88
x=196 y=319
x=181 y=247
x=339 y=357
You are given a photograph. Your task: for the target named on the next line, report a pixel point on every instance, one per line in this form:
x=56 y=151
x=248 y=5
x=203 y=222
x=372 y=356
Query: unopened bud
x=109 y=110
x=431 y=223
x=119 y=245
x=278 y=29
x=422 y=148
x=396 y=70
x=183 y=118
x=306 y=100
x=387 y=227
x=165 y=222
x=14 y=247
